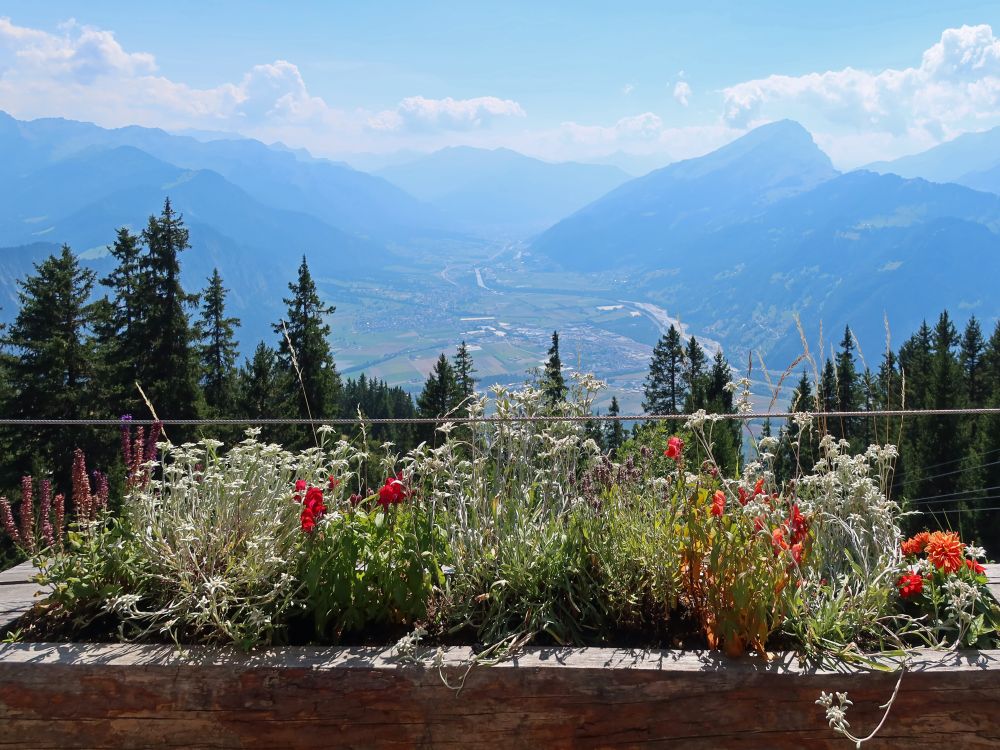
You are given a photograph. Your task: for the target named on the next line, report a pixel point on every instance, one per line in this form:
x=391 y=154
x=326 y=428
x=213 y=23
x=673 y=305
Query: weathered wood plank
x=147 y=696
x=133 y=696
x=993 y=579
x=17 y=592
x=22 y=573
x=15 y=600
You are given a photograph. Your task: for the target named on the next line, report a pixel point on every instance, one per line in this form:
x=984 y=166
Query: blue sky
x=558 y=80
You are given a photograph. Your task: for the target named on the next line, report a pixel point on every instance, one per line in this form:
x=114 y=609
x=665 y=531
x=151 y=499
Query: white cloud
x=955 y=88
x=84 y=73
x=419 y=114
x=627 y=89
x=644 y=134
x=682 y=92
x=82 y=54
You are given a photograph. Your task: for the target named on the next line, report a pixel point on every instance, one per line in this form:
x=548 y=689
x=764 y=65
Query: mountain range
x=738 y=242
x=500 y=191
x=743 y=240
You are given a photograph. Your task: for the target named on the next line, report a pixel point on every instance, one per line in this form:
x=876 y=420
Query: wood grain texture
x=133 y=696
x=22 y=573
x=148 y=696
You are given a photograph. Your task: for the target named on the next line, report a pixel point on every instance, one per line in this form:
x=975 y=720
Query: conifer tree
x=120 y=329
x=989 y=523
x=694 y=377
x=847 y=391
x=374 y=398
x=614 y=433
x=260 y=390
x=464 y=371
x=439 y=396
x=217 y=351
x=797 y=449
x=914 y=366
x=663 y=389
x=52 y=367
x=168 y=371
x=726 y=436
x=554 y=384
x=827 y=392
x=974 y=393
x=304 y=355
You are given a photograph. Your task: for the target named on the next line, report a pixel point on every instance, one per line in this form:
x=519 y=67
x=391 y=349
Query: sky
x=557 y=80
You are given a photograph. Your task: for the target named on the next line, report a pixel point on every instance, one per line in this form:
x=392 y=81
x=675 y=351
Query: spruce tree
x=614 y=432
x=694 y=377
x=663 y=391
x=168 y=373
x=553 y=384
x=52 y=368
x=914 y=372
x=989 y=523
x=217 y=351
x=942 y=441
x=848 y=395
x=259 y=392
x=304 y=355
x=727 y=437
x=123 y=351
x=827 y=396
x=375 y=399
x=439 y=396
x=464 y=371
x=798 y=449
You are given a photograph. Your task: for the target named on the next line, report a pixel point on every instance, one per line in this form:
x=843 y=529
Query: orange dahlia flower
x=916 y=544
x=945 y=551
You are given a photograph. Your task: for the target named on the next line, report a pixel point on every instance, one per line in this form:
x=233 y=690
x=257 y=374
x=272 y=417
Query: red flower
x=798 y=527
x=300 y=487
x=758 y=524
x=393 y=491
x=758 y=489
x=333 y=483
x=355 y=499
x=718 y=503
x=744 y=496
x=797 y=553
x=674 y=448
x=308 y=520
x=314 y=501
x=778 y=541
x=910 y=585
x=975 y=567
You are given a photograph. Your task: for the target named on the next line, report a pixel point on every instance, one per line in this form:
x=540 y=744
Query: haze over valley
x=499 y=249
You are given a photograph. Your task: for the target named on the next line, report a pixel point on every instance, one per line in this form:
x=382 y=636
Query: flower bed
x=509 y=535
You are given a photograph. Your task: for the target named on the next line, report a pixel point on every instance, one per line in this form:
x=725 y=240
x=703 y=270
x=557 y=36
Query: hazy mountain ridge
x=764 y=229
x=688 y=198
x=352 y=201
x=736 y=242
x=501 y=191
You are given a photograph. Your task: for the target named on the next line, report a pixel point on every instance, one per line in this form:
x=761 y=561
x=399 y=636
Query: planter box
x=122 y=696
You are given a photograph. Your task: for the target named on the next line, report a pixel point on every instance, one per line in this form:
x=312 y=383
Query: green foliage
x=439 y=398
x=167 y=367
x=370 y=566
x=372 y=397
x=465 y=369
x=217 y=350
x=553 y=381
x=664 y=386
x=614 y=431
x=305 y=359
x=53 y=367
